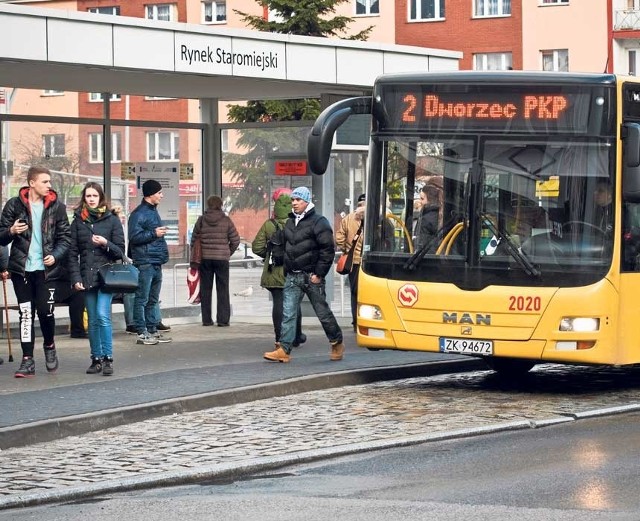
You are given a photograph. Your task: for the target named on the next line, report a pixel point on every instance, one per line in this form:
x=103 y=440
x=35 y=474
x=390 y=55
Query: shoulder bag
x=345 y=262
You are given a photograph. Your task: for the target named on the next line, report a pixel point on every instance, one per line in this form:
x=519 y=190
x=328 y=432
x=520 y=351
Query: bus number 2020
x=524 y=303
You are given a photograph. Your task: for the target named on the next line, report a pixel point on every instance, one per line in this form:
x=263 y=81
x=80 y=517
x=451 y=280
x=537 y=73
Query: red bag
x=193 y=286
x=343 y=266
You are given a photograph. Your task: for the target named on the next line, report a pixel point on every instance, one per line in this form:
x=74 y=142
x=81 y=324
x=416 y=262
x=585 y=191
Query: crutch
x=6 y=317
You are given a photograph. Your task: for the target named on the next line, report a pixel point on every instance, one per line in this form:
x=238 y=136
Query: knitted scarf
x=91 y=215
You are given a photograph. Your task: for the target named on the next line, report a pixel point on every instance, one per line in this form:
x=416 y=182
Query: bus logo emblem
x=408 y=295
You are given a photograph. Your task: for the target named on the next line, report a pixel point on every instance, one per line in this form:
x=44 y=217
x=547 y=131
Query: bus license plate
x=466 y=346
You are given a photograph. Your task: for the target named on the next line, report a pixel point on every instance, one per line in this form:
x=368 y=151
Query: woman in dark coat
x=97 y=238
x=427 y=225
x=218 y=239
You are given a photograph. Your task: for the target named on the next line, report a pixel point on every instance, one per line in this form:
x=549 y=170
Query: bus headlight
x=370 y=312
x=580 y=324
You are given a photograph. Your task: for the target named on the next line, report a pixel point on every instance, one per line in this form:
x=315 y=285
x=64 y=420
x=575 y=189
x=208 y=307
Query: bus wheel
x=374 y=349
x=509 y=366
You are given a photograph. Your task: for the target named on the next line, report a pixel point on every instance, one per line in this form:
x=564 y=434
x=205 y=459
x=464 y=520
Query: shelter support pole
x=211 y=149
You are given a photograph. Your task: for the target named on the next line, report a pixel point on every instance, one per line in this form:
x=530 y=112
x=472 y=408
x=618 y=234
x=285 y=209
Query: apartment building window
x=367 y=7
x=492 y=7
x=97 y=96
x=633 y=67
x=96 y=154
x=492 y=61
x=554 y=2
x=50 y=92
x=115 y=10
x=426 y=9
x=53 y=145
x=555 y=60
x=163 y=146
x=162 y=12
x=214 y=12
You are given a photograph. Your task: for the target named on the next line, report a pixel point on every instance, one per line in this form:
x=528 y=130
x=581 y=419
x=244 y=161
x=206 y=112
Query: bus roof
x=502 y=77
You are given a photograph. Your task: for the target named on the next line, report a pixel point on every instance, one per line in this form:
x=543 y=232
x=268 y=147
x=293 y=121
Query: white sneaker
x=147 y=339
x=160 y=338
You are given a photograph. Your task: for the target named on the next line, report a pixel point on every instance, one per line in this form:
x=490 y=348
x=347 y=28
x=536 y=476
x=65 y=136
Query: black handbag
x=116 y=277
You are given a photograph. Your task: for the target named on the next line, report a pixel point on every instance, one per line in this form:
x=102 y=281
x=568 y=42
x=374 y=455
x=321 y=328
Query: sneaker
x=161 y=339
x=131 y=330
x=27 y=368
x=277 y=355
x=163 y=327
x=146 y=339
x=78 y=334
x=95 y=367
x=337 y=351
x=300 y=340
x=107 y=366
x=51 y=358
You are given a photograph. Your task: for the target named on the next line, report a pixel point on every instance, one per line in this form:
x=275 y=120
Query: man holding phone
x=148 y=249
x=35 y=223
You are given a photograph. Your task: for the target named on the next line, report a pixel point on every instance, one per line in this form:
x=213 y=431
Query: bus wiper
x=513 y=250
x=419 y=254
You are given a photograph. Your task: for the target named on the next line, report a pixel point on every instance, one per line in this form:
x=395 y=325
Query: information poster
x=168 y=175
x=194 y=210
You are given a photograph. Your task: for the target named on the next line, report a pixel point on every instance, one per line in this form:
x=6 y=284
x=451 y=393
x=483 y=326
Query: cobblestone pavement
x=315 y=420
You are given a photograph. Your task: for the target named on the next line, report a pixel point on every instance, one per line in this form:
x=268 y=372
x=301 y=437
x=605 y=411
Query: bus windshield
x=486 y=209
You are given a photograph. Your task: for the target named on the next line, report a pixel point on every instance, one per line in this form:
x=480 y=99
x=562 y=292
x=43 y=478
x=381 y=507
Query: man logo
x=466 y=330
x=452 y=317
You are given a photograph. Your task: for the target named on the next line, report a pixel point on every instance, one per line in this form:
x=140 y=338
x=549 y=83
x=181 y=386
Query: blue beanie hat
x=302 y=192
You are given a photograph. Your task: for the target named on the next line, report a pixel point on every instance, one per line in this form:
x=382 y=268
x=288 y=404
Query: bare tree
x=30 y=150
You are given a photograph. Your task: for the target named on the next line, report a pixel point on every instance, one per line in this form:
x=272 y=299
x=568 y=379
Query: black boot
x=95 y=367
x=107 y=366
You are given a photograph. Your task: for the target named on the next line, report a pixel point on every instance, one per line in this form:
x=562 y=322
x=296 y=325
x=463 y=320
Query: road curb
x=56 y=428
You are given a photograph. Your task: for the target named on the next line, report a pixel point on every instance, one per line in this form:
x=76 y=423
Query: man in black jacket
x=36 y=224
x=309 y=253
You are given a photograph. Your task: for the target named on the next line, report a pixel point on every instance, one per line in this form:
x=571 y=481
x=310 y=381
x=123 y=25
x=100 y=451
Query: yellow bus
x=502 y=217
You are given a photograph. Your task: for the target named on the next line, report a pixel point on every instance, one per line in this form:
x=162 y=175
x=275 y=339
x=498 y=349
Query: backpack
x=275 y=245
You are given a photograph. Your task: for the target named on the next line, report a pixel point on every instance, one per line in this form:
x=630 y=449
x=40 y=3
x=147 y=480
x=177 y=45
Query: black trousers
x=75 y=301
x=219 y=270
x=34 y=294
x=353 y=287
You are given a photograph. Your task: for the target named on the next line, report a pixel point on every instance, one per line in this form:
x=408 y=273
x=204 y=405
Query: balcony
x=627 y=19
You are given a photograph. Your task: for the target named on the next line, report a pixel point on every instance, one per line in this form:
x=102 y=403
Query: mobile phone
x=22 y=221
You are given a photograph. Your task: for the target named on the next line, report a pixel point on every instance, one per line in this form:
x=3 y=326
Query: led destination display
x=521 y=109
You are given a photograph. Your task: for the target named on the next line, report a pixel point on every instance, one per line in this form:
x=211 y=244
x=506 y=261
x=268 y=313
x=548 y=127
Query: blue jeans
x=145 y=305
x=128 y=300
x=98 y=306
x=296 y=286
